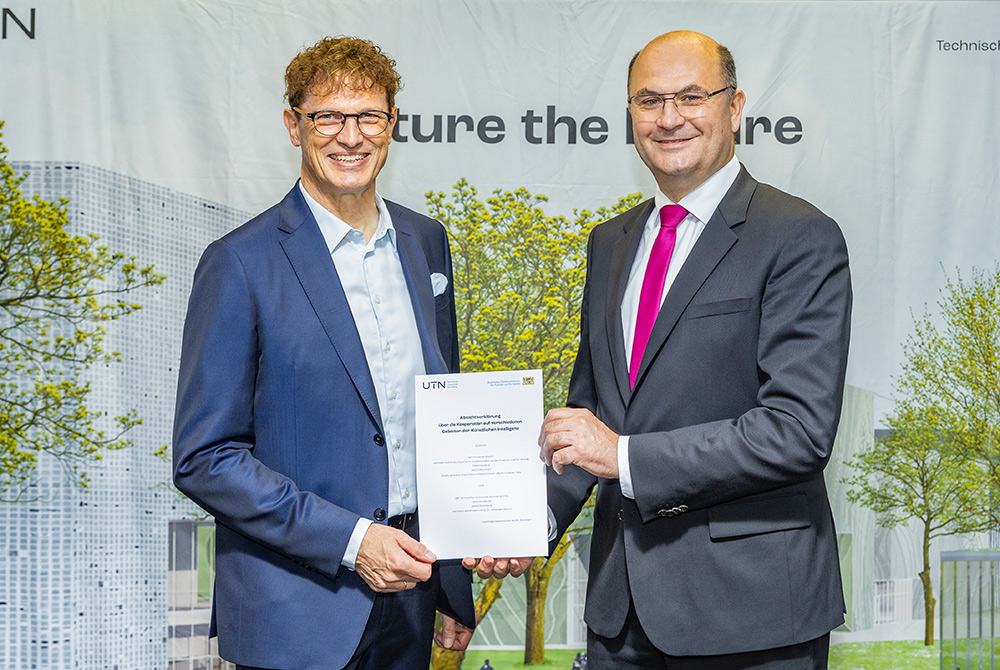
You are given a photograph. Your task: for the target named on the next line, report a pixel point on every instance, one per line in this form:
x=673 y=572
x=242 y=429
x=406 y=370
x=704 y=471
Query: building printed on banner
x=84 y=575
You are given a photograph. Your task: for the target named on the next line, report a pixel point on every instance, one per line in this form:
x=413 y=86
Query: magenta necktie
x=651 y=294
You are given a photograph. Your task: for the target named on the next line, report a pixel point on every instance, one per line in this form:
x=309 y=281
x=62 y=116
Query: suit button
x=379 y=440
x=663 y=513
x=682 y=509
x=619 y=515
x=379 y=513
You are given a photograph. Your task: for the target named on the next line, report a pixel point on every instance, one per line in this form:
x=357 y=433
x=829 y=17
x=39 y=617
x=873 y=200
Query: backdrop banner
x=879 y=113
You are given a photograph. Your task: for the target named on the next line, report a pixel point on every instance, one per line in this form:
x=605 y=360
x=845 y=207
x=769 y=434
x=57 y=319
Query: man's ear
x=736 y=109
x=291 y=120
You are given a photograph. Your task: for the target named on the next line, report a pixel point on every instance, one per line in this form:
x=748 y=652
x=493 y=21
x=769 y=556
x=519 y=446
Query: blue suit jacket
x=278 y=434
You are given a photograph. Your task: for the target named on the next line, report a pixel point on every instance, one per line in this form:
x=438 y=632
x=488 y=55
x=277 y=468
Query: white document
x=480 y=482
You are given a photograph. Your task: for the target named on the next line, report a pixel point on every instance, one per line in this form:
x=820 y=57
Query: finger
x=561 y=413
x=551 y=418
x=447 y=632
x=485 y=569
x=501 y=568
x=469 y=562
x=401 y=564
x=463 y=636
x=416 y=572
x=563 y=457
x=550 y=446
x=542 y=438
x=415 y=548
x=378 y=585
x=558 y=439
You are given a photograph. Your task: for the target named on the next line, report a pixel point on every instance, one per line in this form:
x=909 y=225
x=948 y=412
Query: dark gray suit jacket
x=729 y=545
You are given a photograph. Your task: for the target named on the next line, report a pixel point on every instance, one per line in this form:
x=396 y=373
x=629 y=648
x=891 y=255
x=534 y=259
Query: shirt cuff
x=624 y=473
x=552 y=523
x=351 y=553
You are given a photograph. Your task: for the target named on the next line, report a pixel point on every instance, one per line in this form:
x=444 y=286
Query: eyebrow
x=689 y=87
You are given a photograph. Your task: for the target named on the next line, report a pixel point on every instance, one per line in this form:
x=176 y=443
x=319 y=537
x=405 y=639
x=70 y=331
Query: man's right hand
x=390 y=560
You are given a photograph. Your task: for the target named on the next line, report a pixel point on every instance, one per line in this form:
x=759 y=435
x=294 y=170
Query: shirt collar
x=704 y=200
x=335 y=229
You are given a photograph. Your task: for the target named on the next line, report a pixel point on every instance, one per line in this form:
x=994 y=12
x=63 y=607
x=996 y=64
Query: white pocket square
x=439 y=283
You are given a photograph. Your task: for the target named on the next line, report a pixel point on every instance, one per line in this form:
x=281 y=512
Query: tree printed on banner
x=519 y=277
x=57 y=290
x=940 y=462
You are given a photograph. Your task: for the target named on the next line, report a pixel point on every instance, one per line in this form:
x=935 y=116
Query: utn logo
x=11 y=22
x=433 y=385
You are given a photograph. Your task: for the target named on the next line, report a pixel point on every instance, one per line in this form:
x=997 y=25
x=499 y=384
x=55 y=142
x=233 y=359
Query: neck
x=358 y=210
x=676 y=191
x=677 y=186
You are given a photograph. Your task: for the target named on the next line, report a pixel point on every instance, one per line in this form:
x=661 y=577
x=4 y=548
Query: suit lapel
x=418 y=273
x=712 y=246
x=622 y=256
x=310 y=258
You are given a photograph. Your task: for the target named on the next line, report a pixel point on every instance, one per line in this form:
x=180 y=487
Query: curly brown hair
x=334 y=62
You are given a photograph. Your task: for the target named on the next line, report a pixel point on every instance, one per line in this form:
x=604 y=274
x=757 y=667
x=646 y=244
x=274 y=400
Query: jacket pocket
x=765 y=515
x=699 y=310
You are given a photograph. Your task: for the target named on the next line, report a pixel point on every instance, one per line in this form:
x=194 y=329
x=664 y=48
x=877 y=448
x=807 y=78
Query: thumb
x=416 y=549
x=447 y=631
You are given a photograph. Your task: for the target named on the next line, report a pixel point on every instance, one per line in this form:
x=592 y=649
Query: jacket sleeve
x=568 y=492
x=801 y=356
x=214 y=428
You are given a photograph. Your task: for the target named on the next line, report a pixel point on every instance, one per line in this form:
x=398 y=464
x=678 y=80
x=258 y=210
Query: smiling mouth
x=674 y=141
x=352 y=158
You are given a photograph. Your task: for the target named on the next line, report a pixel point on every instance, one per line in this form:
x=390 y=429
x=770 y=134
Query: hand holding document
x=480 y=483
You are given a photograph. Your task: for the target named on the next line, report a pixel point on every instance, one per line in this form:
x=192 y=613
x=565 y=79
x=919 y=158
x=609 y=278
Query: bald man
x=705 y=396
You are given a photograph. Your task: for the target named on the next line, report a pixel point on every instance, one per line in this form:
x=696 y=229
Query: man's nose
x=670 y=116
x=350 y=135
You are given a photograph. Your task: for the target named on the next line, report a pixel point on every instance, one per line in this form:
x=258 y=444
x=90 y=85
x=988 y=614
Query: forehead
x=345 y=94
x=673 y=66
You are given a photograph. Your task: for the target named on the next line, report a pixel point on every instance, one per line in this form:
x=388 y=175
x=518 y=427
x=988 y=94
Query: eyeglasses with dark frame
x=648 y=106
x=329 y=122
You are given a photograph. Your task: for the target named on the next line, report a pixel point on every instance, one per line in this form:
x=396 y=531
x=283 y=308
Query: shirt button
x=388 y=347
x=398 y=444
x=378 y=300
x=394 y=395
x=406 y=493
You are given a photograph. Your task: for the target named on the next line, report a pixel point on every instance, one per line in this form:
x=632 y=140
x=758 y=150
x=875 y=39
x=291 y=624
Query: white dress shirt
x=373 y=281
x=701 y=204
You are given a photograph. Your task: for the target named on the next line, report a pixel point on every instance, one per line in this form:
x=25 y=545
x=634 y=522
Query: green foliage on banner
x=57 y=290
x=206 y=562
x=519 y=277
x=939 y=463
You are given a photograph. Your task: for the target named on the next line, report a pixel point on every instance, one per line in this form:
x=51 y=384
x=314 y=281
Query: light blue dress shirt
x=373 y=281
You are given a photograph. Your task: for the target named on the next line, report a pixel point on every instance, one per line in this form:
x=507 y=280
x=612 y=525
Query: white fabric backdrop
x=897 y=140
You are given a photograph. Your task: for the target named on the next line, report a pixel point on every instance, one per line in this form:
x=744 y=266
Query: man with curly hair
x=295 y=404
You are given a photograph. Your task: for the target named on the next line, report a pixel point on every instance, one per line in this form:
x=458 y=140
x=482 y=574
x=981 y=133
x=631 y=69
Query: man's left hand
x=575 y=436
x=488 y=566
x=452 y=635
